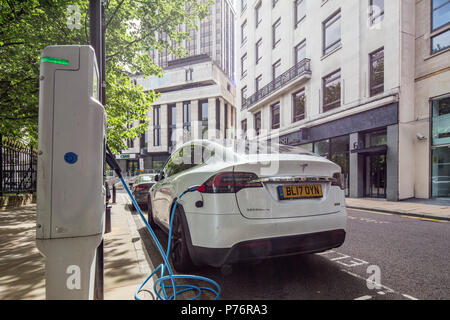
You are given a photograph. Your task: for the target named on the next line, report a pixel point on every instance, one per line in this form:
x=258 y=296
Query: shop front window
x=322 y=148
x=338 y=151
x=440 y=164
x=375 y=139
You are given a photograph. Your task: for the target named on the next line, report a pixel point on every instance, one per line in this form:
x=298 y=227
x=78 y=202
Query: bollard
x=108 y=219
x=114 y=193
x=108 y=192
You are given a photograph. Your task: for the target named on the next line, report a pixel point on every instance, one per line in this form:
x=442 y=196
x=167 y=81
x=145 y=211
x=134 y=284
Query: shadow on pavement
x=22 y=274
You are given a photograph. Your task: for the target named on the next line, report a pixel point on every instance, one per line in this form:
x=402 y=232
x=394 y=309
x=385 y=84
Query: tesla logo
x=303 y=166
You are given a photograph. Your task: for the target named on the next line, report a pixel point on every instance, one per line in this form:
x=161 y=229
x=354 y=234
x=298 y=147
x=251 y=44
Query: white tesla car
x=252 y=203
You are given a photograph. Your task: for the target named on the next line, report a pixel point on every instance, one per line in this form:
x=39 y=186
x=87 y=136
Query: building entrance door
x=132 y=168
x=375 y=176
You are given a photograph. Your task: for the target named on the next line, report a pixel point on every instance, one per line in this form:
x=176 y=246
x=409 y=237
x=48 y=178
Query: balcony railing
x=301 y=68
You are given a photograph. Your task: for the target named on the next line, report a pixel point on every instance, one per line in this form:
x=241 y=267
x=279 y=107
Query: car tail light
x=230 y=182
x=139 y=188
x=338 y=180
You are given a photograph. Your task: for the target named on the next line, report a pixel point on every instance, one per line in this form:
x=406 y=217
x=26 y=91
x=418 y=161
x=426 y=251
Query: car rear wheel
x=179 y=253
x=151 y=222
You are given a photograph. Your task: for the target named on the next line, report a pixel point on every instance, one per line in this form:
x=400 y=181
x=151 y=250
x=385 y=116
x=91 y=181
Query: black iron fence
x=299 y=69
x=18 y=167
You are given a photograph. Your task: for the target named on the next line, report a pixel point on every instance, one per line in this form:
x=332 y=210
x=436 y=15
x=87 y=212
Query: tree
x=27 y=27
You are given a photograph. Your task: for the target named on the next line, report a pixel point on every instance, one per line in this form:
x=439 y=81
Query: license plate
x=300 y=192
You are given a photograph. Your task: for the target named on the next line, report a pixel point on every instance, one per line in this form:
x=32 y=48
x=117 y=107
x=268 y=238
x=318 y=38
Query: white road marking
x=353 y=263
x=325 y=253
x=364 y=298
x=340 y=258
x=365 y=280
x=343 y=256
x=370 y=220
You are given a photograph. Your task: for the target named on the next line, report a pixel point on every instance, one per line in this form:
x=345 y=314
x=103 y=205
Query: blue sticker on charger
x=71 y=158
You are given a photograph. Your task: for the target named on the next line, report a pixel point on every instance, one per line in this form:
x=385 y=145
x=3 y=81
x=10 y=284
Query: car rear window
x=143 y=179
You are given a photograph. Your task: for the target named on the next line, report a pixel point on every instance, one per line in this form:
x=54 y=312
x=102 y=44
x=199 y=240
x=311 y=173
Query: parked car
x=243 y=212
x=140 y=187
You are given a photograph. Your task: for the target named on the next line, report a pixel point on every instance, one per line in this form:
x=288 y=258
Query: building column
x=392 y=163
x=356 y=167
x=179 y=130
x=211 y=118
x=196 y=125
x=164 y=127
x=222 y=118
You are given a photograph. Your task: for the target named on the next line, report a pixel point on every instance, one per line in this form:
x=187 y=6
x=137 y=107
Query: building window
x=300 y=52
x=299 y=11
x=376 y=72
x=276 y=33
x=258 y=17
x=440 y=42
x=275 y=115
x=440 y=14
x=257 y=121
x=189 y=74
x=172 y=125
x=441 y=121
x=243 y=5
x=206 y=35
x=156 y=126
x=375 y=138
x=258 y=51
x=244 y=32
x=299 y=106
x=203 y=117
x=376 y=11
x=258 y=82
x=338 y=151
x=244 y=129
x=192 y=41
x=276 y=72
x=332 y=33
x=276 y=69
x=244 y=95
x=244 y=65
x=332 y=91
x=440 y=162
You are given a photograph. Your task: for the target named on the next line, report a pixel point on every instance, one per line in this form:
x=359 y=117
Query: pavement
x=22 y=267
x=428 y=209
x=126 y=262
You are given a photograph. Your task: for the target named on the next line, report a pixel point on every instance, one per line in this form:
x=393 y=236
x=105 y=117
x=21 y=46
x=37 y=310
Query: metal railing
x=18 y=167
x=299 y=69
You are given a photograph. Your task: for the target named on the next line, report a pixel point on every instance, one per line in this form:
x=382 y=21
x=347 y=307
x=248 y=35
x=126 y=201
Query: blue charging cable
x=159 y=285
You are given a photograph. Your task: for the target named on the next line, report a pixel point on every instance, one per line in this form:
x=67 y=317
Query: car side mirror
x=157 y=178
x=161 y=176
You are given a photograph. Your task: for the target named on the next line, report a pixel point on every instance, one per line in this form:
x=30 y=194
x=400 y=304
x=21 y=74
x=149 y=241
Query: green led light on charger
x=55 y=60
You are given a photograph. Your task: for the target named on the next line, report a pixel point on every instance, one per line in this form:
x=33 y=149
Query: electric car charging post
x=70 y=191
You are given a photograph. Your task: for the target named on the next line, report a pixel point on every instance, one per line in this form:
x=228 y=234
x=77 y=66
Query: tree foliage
x=27 y=27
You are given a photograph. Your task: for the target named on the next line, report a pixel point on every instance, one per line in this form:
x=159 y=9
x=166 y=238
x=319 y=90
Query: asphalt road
x=412 y=256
